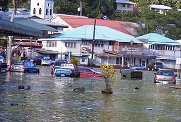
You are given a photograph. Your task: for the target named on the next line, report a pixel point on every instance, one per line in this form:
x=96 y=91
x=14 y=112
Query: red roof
x=77 y=21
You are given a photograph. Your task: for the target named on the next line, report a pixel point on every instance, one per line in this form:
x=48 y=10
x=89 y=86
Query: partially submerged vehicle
x=131 y=74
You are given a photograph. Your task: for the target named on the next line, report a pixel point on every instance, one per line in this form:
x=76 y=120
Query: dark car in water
x=3 y=67
x=37 y=59
x=154 y=66
x=132 y=74
x=25 y=66
x=165 y=76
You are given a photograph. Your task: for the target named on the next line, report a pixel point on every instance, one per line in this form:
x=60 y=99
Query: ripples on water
x=52 y=99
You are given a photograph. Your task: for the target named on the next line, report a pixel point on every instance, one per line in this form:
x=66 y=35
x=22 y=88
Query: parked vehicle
x=37 y=59
x=46 y=61
x=3 y=67
x=154 y=66
x=26 y=67
x=57 y=65
x=131 y=74
x=86 y=72
x=166 y=76
x=67 y=70
x=139 y=67
x=2 y=60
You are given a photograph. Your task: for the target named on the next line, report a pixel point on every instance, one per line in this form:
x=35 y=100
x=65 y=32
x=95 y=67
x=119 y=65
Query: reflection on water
x=52 y=99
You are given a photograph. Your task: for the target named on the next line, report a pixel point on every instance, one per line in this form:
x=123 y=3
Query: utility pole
x=9 y=50
x=93 y=40
x=80 y=8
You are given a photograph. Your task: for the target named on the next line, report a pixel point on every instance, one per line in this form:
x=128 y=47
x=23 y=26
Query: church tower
x=42 y=8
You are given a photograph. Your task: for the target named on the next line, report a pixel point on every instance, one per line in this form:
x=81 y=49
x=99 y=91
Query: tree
x=74 y=61
x=109 y=77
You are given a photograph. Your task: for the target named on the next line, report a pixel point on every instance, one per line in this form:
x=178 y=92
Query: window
x=46 y=11
x=51 y=43
x=98 y=44
x=128 y=6
x=40 y=11
x=70 y=44
x=48 y=4
x=50 y=11
x=110 y=43
x=85 y=42
x=123 y=5
x=34 y=11
x=37 y=4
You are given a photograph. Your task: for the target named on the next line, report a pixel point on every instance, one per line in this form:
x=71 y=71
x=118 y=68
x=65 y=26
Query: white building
x=125 y=5
x=162 y=9
x=42 y=8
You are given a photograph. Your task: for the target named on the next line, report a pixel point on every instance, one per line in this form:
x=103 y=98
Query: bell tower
x=42 y=8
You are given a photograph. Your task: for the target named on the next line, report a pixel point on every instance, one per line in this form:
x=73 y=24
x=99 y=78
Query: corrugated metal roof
x=11 y=28
x=155 y=38
x=101 y=33
x=31 y=23
x=124 y=2
x=46 y=22
x=76 y=21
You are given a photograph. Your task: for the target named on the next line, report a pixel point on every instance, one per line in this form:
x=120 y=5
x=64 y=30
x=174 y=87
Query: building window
x=110 y=43
x=51 y=43
x=50 y=11
x=40 y=11
x=37 y=4
x=70 y=44
x=48 y=4
x=123 y=5
x=34 y=11
x=46 y=11
x=85 y=42
x=98 y=44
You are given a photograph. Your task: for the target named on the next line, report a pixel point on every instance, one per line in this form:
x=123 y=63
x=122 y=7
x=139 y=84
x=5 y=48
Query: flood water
x=51 y=99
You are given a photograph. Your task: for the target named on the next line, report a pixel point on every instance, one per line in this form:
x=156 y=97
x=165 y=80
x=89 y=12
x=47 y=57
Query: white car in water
x=46 y=61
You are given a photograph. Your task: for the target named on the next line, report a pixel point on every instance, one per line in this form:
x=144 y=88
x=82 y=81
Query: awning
x=43 y=51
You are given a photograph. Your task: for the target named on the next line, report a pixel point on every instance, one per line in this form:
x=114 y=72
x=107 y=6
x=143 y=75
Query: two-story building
x=124 y=5
x=109 y=46
x=165 y=49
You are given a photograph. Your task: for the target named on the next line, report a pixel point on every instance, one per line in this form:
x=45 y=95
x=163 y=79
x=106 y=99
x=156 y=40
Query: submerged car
x=67 y=70
x=46 y=61
x=2 y=60
x=25 y=66
x=86 y=72
x=57 y=65
x=154 y=66
x=37 y=59
x=3 y=67
x=131 y=74
x=139 y=67
x=165 y=76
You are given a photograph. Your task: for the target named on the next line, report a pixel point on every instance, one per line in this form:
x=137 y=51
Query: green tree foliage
x=4 y=4
x=74 y=61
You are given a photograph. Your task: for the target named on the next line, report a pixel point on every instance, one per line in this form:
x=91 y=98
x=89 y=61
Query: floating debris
x=79 y=90
x=149 y=108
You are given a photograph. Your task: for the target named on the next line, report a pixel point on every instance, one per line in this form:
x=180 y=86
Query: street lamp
x=131 y=42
